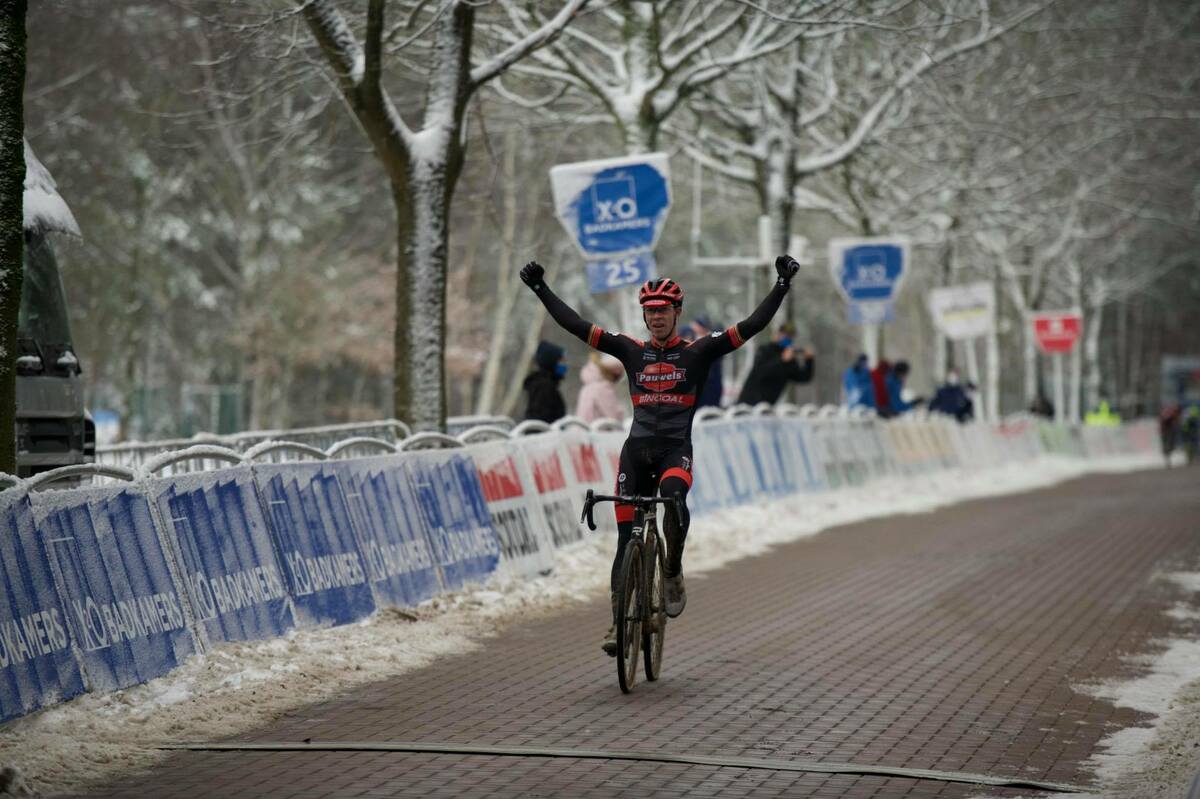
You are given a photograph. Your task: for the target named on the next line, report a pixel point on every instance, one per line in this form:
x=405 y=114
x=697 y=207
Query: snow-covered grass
x=241 y=686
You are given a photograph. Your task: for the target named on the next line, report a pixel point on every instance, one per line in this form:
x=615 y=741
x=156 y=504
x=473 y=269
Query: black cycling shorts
x=646 y=462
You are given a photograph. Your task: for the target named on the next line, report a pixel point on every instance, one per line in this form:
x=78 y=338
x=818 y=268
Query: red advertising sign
x=500 y=480
x=547 y=471
x=1057 y=331
x=587 y=465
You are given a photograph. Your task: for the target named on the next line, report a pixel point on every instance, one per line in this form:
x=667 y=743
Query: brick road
x=946 y=641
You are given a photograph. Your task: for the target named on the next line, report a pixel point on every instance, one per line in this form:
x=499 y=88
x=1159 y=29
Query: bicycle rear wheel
x=654 y=624
x=629 y=615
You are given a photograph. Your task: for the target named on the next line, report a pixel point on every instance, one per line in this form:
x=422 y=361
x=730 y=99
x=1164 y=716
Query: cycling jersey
x=664 y=380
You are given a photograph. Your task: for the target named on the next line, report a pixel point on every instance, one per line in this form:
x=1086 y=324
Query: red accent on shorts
x=594 y=336
x=624 y=512
x=675 y=471
x=734 y=336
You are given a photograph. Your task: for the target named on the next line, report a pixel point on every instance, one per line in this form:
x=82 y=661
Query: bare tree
x=641 y=60
x=422 y=164
x=838 y=87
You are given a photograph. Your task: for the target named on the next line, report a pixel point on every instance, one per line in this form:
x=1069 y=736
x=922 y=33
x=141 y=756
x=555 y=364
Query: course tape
x=646 y=757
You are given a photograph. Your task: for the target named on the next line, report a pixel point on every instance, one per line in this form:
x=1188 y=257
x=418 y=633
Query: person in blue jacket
x=894 y=381
x=856 y=384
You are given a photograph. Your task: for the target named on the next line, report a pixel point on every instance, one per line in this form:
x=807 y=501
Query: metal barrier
x=428 y=440
x=530 y=427
x=276 y=451
x=205 y=454
x=135 y=454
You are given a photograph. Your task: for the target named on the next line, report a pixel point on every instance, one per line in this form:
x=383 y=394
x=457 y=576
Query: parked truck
x=53 y=427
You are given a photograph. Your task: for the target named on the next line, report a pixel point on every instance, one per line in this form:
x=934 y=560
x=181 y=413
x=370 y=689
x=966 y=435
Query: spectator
x=1168 y=430
x=545 y=400
x=879 y=382
x=1190 y=430
x=598 y=397
x=711 y=393
x=1041 y=406
x=775 y=365
x=952 y=400
x=894 y=382
x=857 y=389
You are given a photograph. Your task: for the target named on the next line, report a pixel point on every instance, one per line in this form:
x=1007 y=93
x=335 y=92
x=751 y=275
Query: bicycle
x=641 y=614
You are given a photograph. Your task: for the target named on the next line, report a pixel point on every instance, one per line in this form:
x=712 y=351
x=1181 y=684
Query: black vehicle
x=53 y=429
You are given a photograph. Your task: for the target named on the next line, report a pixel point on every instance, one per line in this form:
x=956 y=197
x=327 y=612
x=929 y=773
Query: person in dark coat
x=952 y=399
x=545 y=400
x=775 y=365
x=711 y=393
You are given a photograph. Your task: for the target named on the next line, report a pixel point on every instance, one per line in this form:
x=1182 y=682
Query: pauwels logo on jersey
x=660 y=377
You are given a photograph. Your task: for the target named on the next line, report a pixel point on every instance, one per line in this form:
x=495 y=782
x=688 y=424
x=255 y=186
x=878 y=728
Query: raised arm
x=534 y=276
x=737 y=335
x=593 y=335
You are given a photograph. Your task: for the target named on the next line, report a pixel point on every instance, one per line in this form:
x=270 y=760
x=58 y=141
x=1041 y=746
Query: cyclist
x=665 y=375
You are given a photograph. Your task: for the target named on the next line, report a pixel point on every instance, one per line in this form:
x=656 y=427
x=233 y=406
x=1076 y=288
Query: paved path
x=948 y=640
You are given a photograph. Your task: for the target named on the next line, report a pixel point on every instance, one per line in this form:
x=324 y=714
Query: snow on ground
x=242 y=686
x=1163 y=758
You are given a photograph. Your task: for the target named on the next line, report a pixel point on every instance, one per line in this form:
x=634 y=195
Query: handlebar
x=642 y=503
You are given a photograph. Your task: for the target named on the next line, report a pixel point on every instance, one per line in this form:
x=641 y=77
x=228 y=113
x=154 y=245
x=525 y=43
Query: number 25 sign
x=612 y=273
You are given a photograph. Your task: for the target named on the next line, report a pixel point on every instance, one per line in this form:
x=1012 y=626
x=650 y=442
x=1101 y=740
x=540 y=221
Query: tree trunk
x=1076 y=387
x=418 y=395
x=1091 y=355
x=12 y=225
x=991 y=397
x=506 y=286
x=1030 y=360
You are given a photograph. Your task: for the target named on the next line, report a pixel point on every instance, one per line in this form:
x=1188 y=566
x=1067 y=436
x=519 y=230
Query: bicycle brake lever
x=588 y=502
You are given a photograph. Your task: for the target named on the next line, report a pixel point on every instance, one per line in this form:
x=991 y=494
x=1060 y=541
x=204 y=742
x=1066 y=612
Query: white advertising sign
x=963 y=312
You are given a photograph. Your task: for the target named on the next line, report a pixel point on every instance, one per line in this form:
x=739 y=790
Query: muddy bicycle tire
x=629 y=615
x=654 y=619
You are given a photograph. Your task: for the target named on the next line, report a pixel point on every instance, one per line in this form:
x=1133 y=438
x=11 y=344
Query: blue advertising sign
x=626 y=270
x=306 y=511
x=869 y=273
x=37 y=666
x=455 y=515
x=125 y=615
x=234 y=576
x=615 y=206
x=398 y=555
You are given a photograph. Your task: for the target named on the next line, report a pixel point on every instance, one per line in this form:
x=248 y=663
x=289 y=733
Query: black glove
x=786 y=267
x=532 y=275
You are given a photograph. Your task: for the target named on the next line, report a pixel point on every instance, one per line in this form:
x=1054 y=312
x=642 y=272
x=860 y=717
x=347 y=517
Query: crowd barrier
x=106 y=587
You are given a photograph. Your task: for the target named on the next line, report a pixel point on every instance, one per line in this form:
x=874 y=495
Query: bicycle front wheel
x=629 y=615
x=654 y=626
